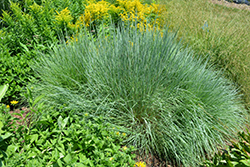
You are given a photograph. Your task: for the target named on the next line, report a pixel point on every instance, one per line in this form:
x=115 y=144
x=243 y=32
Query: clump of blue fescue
x=169 y=103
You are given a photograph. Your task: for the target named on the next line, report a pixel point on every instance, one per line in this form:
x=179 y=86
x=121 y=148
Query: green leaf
x=62 y=123
x=25 y=47
x=1 y=125
x=3 y=90
x=37 y=100
x=62 y=151
x=4 y=154
x=12 y=148
x=32 y=154
x=32 y=138
x=67 y=159
x=234 y=163
x=59 y=162
x=246 y=162
x=79 y=165
x=7 y=135
x=109 y=150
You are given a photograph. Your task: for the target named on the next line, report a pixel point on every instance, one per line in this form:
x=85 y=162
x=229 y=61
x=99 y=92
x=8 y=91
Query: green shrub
x=236 y=155
x=20 y=39
x=14 y=70
x=64 y=139
x=170 y=104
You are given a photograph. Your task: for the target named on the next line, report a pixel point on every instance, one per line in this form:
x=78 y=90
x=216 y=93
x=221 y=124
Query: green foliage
x=15 y=71
x=29 y=27
x=169 y=103
x=63 y=139
x=237 y=155
x=3 y=145
x=5 y=5
x=225 y=37
x=20 y=40
x=4 y=137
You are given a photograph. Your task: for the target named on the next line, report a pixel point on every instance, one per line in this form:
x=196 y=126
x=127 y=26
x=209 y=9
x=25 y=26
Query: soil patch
x=21 y=119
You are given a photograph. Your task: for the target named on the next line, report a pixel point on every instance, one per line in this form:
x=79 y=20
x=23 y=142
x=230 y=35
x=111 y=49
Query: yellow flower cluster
x=140 y=164
x=14 y=102
x=64 y=17
x=96 y=11
x=99 y=12
x=36 y=8
x=125 y=10
x=145 y=15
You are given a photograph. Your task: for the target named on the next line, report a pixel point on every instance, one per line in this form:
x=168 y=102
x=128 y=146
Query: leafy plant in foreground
x=237 y=154
x=170 y=104
x=3 y=145
x=73 y=140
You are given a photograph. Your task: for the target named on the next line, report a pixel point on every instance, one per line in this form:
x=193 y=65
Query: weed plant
x=169 y=103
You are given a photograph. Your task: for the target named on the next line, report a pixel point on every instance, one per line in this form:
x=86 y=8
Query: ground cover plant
x=145 y=82
x=61 y=139
x=236 y=155
x=29 y=27
x=217 y=31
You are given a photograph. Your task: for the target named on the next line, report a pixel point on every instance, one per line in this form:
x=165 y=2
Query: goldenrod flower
x=14 y=102
x=36 y=8
x=140 y=164
x=64 y=16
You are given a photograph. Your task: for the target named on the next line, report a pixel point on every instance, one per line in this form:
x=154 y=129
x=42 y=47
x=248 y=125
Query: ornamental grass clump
x=168 y=103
